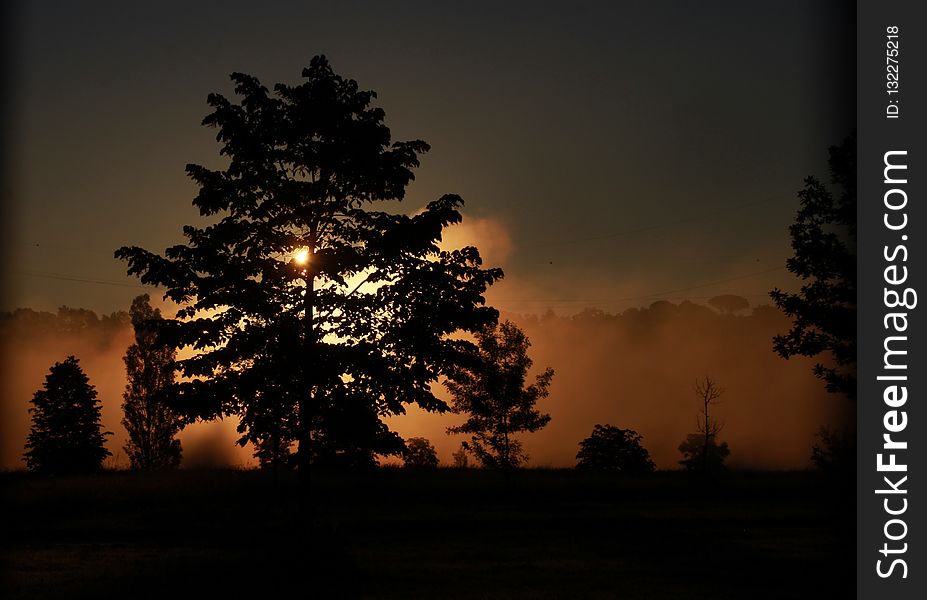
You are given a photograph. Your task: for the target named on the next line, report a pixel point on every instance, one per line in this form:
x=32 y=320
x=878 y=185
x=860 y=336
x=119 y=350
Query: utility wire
x=75 y=278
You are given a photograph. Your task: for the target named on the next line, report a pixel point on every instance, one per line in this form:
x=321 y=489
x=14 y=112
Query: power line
x=75 y=278
x=71 y=248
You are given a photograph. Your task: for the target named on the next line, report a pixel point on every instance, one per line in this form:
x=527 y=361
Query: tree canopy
x=611 y=448
x=728 y=304
x=420 y=454
x=823 y=311
x=309 y=309
x=493 y=395
x=66 y=435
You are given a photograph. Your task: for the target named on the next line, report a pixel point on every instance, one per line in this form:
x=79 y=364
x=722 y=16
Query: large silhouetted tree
x=823 y=311
x=66 y=435
x=493 y=395
x=309 y=308
x=611 y=448
x=150 y=423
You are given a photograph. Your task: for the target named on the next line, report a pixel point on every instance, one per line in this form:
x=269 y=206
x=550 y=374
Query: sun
x=301 y=257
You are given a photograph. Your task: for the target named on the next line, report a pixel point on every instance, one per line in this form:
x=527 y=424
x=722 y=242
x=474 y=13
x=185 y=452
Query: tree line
x=67 y=436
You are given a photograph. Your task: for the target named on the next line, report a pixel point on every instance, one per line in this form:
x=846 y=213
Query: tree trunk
x=303 y=452
x=707 y=434
x=507 y=460
x=275 y=441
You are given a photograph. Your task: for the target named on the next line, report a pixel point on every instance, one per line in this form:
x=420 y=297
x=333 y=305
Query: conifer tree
x=66 y=436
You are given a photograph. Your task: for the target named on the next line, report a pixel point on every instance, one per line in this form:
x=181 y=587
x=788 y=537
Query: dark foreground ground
x=430 y=535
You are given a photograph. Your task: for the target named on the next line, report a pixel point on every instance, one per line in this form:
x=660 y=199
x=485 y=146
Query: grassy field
x=438 y=534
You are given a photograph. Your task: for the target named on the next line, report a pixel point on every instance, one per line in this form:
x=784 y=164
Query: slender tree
x=493 y=395
x=462 y=457
x=302 y=300
x=823 y=311
x=150 y=423
x=709 y=394
x=66 y=435
x=701 y=451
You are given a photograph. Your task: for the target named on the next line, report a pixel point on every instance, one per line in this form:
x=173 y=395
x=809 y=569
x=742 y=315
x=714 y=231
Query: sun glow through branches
x=301 y=257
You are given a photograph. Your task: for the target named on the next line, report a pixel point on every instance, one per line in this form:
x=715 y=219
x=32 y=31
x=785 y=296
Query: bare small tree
x=709 y=394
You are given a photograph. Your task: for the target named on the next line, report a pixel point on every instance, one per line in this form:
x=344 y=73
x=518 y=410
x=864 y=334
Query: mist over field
x=31 y=342
x=634 y=370
x=637 y=370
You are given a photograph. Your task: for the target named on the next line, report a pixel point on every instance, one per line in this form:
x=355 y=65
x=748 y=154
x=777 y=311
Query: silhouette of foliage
x=66 y=435
x=76 y=322
x=823 y=312
x=835 y=451
x=493 y=395
x=703 y=453
x=270 y=425
x=420 y=454
x=150 y=372
x=728 y=304
x=610 y=448
x=462 y=457
x=310 y=309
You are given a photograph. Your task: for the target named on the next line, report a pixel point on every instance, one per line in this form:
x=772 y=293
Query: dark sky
x=609 y=153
